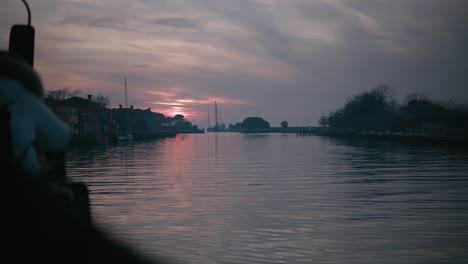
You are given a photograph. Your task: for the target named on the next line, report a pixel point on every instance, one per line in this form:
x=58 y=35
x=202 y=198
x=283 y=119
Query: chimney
x=90 y=96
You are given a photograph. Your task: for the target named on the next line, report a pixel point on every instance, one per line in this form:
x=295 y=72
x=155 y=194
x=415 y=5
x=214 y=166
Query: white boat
x=125 y=137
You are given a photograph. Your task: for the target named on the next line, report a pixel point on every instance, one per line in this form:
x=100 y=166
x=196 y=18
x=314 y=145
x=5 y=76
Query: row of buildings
x=87 y=117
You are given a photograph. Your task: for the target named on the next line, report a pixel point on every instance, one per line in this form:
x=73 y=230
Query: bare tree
x=76 y=93
x=101 y=99
x=63 y=94
x=416 y=97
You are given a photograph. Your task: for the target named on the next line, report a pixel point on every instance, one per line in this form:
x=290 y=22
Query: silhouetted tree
x=179 y=117
x=415 y=96
x=454 y=105
x=255 y=123
x=167 y=120
x=375 y=109
x=179 y=122
x=423 y=114
x=284 y=124
x=63 y=94
x=238 y=125
x=101 y=99
x=323 y=121
x=160 y=118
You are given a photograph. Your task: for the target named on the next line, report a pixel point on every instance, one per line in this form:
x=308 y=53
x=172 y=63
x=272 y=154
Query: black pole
x=29 y=11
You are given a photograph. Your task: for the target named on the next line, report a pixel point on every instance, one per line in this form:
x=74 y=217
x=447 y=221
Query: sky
x=282 y=60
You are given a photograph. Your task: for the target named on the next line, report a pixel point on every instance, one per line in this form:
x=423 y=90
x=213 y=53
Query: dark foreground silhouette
x=39 y=227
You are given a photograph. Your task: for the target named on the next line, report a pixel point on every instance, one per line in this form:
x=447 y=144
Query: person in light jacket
x=35 y=221
x=33 y=125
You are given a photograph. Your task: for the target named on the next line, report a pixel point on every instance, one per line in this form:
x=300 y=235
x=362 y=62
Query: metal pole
x=29 y=11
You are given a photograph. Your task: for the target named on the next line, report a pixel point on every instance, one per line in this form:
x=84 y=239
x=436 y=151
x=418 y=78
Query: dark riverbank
x=155 y=134
x=289 y=130
x=102 y=138
x=190 y=131
x=403 y=136
x=376 y=114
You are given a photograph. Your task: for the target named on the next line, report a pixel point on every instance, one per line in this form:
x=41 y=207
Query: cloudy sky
x=291 y=60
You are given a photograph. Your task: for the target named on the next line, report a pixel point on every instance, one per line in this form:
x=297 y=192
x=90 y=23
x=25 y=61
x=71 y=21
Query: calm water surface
x=272 y=198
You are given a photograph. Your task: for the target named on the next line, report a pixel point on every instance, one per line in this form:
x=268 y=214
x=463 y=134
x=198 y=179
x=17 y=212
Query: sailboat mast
x=125 y=92
x=216 y=115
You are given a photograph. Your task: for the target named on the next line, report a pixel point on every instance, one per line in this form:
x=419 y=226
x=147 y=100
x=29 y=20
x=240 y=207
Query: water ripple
x=234 y=198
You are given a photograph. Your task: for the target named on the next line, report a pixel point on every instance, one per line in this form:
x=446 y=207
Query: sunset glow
x=281 y=60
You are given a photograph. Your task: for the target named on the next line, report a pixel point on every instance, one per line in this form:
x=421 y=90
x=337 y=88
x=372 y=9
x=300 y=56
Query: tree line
x=378 y=110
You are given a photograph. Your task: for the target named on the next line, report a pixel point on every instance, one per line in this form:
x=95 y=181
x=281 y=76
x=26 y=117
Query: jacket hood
x=9 y=91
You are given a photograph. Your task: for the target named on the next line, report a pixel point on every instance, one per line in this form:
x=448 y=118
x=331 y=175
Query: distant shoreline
x=401 y=136
x=103 y=138
x=289 y=130
x=378 y=135
x=190 y=131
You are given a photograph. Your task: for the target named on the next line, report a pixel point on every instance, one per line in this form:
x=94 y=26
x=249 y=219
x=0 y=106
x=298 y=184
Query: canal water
x=273 y=198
